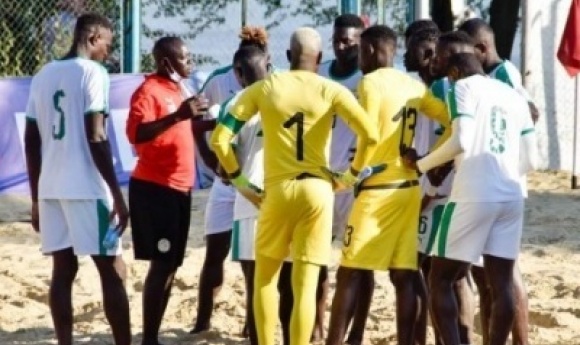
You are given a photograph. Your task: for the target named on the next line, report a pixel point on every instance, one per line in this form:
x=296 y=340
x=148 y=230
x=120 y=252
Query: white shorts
x=342 y=206
x=429 y=224
x=80 y=224
x=471 y=229
x=219 y=212
x=244 y=238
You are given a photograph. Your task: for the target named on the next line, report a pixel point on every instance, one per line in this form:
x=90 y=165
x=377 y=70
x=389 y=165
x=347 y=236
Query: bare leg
x=478 y=275
x=64 y=270
x=156 y=292
x=363 y=305
x=343 y=303
x=113 y=273
x=248 y=268
x=407 y=304
x=520 y=327
x=444 y=308
x=286 y=300
x=499 y=273
x=321 y=296
x=211 y=277
x=466 y=304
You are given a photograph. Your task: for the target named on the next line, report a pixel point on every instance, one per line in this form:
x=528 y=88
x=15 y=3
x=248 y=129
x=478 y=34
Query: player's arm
x=32 y=150
x=199 y=128
x=436 y=109
x=141 y=127
x=462 y=110
x=32 y=146
x=96 y=102
x=230 y=124
x=361 y=119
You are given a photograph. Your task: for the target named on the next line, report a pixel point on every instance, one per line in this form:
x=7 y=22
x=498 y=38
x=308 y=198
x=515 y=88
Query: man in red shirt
x=160 y=128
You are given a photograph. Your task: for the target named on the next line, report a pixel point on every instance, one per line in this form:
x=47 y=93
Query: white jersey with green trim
x=343 y=140
x=221 y=85
x=250 y=153
x=495 y=117
x=62 y=93
x=508 y=73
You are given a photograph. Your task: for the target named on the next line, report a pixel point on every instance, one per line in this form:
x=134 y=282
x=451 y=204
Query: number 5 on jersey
x=58 y=126
x=297 y=119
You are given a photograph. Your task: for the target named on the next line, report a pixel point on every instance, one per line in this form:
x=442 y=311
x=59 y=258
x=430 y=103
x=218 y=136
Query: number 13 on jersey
x=408 y=118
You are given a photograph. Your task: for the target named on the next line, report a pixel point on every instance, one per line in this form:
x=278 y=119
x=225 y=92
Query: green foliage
x=25 y=45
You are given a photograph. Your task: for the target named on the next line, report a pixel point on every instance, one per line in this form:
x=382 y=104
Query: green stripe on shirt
x=452 y=103
x=527 y=131
x=232 y=123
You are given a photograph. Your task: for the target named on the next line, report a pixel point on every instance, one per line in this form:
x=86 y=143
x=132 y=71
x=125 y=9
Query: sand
x=550 y=263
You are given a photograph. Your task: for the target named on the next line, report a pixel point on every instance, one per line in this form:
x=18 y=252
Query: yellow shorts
x=382 y=230
x=296 y=218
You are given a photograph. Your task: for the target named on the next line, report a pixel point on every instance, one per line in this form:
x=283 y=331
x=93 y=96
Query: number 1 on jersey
x=297 y=119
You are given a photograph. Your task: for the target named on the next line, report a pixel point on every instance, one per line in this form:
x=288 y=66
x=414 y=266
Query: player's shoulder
x=216 y=75
x=440 y=88
x=390 y=76
x=507 y=72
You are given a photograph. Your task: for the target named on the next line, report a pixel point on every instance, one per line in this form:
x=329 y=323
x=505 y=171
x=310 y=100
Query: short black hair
x=467 y=63
x=420 y=25
x=348 y=20
x=378 y=34
x=88 y=22
x=456 y=37
x=475 y=26
x=166 y=46
x=426 y=35
x=248 y=53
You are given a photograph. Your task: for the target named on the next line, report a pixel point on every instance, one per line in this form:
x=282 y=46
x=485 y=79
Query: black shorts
x=160 y=218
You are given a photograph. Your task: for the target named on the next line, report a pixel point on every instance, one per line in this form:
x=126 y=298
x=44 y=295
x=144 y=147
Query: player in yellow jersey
x=381 y=232
x=297 y=109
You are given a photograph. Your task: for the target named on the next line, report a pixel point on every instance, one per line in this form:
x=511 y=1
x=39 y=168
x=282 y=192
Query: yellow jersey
x=296 y=110
x=392 y=100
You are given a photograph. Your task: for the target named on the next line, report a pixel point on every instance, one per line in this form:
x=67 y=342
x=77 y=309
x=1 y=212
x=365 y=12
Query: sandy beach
x=550 y=262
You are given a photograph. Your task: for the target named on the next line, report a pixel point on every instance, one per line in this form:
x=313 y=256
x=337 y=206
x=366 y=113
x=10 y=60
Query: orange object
x=169 y=159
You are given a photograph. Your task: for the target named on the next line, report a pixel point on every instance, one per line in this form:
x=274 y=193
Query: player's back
x=296 y=111
x=62 y=93
x=393 y=92
x=488 y=169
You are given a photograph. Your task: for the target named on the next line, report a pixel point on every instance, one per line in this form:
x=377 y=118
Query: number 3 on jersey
x=58 y=126
x=297 y=119
x=408 y=118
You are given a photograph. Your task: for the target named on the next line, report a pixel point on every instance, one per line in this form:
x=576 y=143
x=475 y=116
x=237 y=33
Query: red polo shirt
x=168 y=159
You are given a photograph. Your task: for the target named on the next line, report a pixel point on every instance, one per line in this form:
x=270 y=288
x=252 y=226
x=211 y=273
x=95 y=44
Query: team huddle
x=422 y=176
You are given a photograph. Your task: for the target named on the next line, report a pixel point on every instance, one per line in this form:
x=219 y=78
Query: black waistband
x=394 y=185
x=306 y=175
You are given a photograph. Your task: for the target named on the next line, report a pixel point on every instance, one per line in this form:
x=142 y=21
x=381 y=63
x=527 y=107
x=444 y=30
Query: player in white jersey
x=220 y=86
x=72 y=178
x=428 y=54
x=344 y=70
x=492 y=143
x=504 y=71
